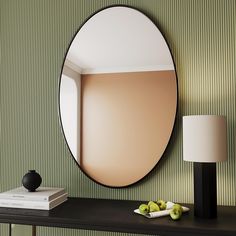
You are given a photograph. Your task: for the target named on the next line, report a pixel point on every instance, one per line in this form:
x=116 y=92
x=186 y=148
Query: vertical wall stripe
x=34 y=39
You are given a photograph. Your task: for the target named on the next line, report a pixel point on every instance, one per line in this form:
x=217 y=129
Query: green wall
x=34 y=38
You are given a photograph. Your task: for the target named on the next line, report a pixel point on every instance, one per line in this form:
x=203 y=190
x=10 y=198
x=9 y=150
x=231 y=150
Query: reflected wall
x=127 y=119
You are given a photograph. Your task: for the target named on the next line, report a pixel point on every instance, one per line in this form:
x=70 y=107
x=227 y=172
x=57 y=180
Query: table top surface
x=119 y=216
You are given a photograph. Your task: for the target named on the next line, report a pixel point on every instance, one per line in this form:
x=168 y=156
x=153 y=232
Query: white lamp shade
x=204 y=138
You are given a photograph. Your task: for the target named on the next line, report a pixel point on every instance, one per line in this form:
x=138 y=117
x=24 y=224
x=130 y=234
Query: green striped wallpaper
x=34 y=38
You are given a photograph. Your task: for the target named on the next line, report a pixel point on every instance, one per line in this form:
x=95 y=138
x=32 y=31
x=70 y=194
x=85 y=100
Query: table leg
x=9 y=229
x=33 y=230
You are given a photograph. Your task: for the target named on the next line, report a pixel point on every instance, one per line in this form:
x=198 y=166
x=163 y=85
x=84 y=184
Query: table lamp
x=204 y=143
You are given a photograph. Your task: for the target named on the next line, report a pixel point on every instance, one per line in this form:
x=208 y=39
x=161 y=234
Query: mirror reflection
x=118 y=96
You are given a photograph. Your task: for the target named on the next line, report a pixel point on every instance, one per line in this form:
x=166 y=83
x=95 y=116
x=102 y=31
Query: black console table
x=118 y=216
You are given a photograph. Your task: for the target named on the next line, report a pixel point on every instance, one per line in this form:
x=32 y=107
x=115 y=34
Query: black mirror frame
x=59 y=110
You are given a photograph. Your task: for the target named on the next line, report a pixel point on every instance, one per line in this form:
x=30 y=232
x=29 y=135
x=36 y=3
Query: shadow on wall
x=21 y=230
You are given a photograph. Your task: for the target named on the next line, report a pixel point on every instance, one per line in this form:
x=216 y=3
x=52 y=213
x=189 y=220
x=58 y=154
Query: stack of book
x=43 y=198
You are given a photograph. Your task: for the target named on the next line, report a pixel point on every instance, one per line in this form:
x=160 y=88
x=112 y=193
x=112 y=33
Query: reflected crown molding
x=73 y=66
x=105 y=70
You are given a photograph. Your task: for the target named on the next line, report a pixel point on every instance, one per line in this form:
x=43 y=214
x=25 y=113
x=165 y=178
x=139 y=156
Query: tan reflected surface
x=127 y=120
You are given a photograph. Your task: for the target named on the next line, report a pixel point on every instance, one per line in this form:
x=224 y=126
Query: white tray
x=157 y=214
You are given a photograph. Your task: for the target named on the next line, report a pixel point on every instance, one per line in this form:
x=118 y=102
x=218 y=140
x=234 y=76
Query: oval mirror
x=118 y=96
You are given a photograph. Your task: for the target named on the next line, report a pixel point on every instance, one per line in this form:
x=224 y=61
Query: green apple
x=150 y=203
x=153 y=207
x=178 y=206
x=175 y=213
x=161 y=204
x=143 y=209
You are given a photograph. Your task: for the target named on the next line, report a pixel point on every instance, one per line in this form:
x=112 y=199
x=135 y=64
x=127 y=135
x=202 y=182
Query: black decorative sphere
x=31 y=180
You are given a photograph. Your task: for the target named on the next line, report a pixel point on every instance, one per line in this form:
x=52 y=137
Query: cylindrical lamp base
x=205 y=199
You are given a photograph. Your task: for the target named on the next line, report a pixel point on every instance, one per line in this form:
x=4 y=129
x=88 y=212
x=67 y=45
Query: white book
x=41 y=194
x=38 y=205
